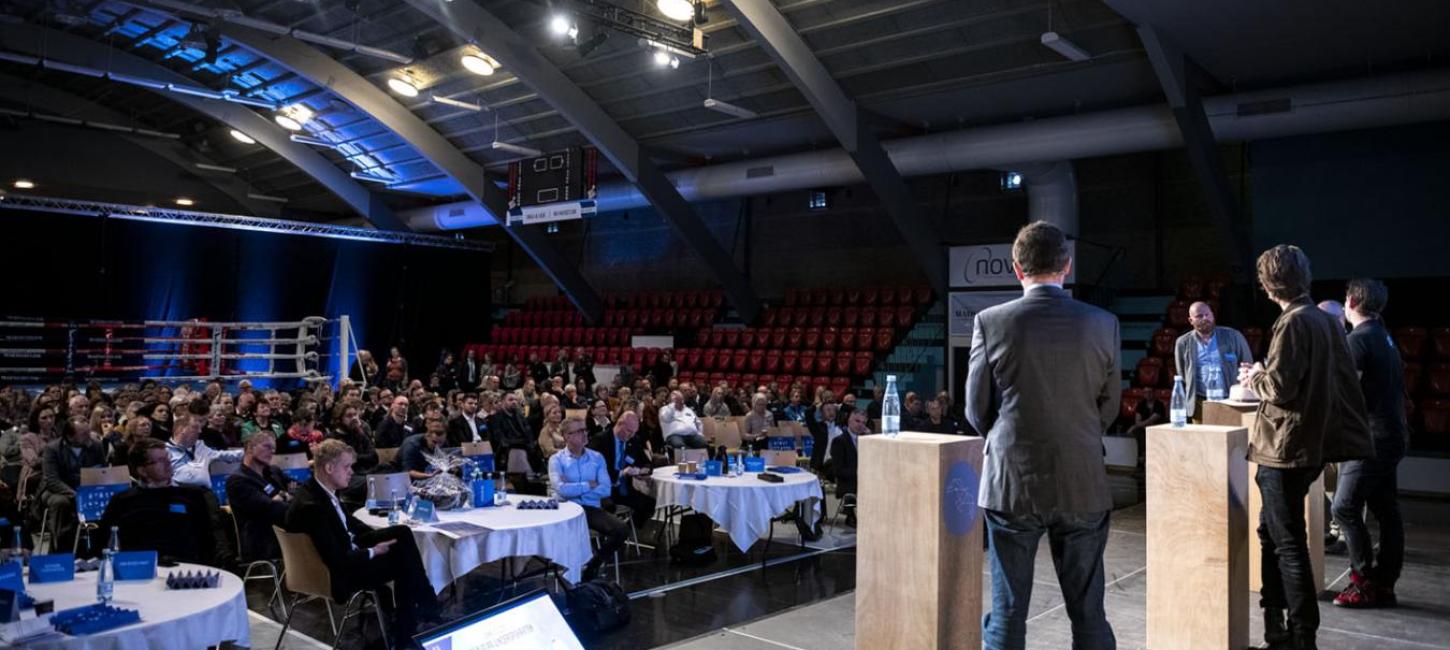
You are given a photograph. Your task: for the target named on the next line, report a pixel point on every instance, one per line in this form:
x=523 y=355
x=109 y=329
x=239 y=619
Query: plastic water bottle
x=500 y=492
x=395 y=514
x=1178 y=407
x=115 y=544
x=890 y=409
x=105 y=581
x=18 y=546
x=1213 y=384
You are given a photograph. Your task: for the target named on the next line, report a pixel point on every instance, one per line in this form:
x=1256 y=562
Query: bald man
x=1208 y=345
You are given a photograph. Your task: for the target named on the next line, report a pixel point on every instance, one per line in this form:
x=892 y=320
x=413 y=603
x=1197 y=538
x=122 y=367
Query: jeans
x=613 y=533
x=1077 y=541
x=1372 y=483
x=1287 y=575
x=686 y=440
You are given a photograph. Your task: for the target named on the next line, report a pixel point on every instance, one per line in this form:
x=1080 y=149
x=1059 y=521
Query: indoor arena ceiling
x=916 y=66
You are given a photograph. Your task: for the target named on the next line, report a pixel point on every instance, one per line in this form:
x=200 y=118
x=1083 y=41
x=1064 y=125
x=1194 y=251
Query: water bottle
x=1213 y=385
x=19 y=547
x=395 y=514
x=500 y=490
x=890 y=409
x=1178 y=407
x=115 y=544
x=105 y=581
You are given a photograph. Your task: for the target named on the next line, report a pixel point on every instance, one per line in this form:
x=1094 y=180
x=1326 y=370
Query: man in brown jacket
x=1310 y=412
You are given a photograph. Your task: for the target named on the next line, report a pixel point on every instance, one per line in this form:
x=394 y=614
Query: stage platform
x=1422 y=621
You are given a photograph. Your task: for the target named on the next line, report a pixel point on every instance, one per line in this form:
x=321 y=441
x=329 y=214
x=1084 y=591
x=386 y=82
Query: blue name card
x=134 y=565
x=10 y=576
x=755 y=464
x=781 y=443
x=56 y=567
x=714 y=467
x=91 y=500
x=808 y=445
x=424 y=511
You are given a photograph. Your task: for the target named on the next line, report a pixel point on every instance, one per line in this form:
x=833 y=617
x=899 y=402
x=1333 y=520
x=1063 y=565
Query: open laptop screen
x=528 y=622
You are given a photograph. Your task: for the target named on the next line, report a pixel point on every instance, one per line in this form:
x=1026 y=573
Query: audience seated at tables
x=179 y=522
x=625 y=457
x=579 y=474
x=680 y=425
x=259 y=494
x=356 y=556
x=61 y=474
x=412 y=456
x=190 y=457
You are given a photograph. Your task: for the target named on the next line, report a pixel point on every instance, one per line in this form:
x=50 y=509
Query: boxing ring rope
x=40 y=349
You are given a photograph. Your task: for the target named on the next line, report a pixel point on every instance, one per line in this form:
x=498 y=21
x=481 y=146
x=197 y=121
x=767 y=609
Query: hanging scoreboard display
x=557 y=186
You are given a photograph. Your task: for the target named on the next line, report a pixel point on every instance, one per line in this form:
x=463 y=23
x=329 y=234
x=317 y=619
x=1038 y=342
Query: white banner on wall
x=990 y=265
x=565 y=211
x=963 y=306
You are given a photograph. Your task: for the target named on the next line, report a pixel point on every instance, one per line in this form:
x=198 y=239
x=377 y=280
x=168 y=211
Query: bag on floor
x=696 y=545
x=598 y=606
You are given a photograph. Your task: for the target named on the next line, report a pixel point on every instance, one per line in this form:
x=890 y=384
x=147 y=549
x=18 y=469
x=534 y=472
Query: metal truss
x=233 y=222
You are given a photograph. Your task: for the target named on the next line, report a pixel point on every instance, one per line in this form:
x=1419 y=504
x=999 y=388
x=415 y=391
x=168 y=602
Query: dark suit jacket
x=179 y=522
x=1043 y=385
x=390 y=434
x=312 y=513
x=250 y=496
x=459 y=433
x=843 y=464
x=61 y=470
x=634 y=452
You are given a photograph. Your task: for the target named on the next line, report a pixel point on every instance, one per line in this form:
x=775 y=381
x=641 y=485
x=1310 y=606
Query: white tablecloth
x=186 y=618
x=561 y=535
x=742 y=506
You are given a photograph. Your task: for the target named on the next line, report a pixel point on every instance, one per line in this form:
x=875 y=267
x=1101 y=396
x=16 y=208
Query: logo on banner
x=550 y=212
x=959 y=507
x=987 y=265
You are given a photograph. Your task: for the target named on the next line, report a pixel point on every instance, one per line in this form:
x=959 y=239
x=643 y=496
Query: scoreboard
x=567 y=175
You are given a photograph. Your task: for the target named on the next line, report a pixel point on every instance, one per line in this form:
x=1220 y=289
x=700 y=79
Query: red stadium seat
x=905 y=316
x=1149 y=369
x=865 y=338
x=923 y=294
x=1178 y=314
x=905 y=295
x=888 y=296
x=757 y=360
x=790 y=362
x=747 y=337
x=853 y=296
x=1411 y=342
x=767 y=317
x=732 y=337
x=708 y=359
x=1438 y=380
x=820 y=297
x=848 y=338
x=1440 y=337
x=868 y=317
x=817 y=316
x=738 y=360
x=808 y=361
x=777 y=337
x=886 y=317
x=884 y=340
x=828 y=338
x=850 y=316
x=772 y=361
x=1162 y=345
x=833 y=317
x=794 y=340
x=813 y=338
x=842 y=364
x=1164 y=395
x=825 y=362
x=870 y=296
x=1191 y=288
x=837 y=296
x=1412 y=375
x=839 y=386
x=1435 y=414
x=1128 y=408
x=861 y=365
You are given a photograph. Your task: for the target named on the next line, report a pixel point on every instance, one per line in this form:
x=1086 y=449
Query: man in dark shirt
x=259 y=494
x=394 y=427
x=509 y=431
x=61 y=465
x=467 y=426
x=412 y=456
x=1372 y=481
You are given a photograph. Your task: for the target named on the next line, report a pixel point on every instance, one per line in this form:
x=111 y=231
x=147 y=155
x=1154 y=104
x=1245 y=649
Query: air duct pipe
x=1051 y=193
x=1317 y=108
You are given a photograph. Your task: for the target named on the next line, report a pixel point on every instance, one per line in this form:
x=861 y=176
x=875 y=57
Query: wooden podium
x=1243 y=414
x=1197 y=519
x=919 y=542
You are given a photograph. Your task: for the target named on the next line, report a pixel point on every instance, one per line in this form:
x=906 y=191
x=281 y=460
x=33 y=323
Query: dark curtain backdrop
x=75 y=267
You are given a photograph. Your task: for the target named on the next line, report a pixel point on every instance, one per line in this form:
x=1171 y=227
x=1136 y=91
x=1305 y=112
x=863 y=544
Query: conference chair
x=90 y=477
x=309 y=579
x=252 y=569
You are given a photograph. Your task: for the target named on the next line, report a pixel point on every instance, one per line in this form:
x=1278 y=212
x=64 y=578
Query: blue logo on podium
x=959 y=498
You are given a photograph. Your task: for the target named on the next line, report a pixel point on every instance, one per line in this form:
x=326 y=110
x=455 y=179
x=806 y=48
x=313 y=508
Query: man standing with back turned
x=1043 y=383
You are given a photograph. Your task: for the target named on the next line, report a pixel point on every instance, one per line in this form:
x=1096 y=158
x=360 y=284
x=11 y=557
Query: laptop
x=383 y=487
x=527 y=622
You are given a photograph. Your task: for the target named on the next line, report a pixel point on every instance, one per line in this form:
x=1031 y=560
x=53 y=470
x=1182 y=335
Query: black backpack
x=598 y=606
x=695 y=547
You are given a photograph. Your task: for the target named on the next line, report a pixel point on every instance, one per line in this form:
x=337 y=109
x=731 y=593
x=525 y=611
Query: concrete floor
x=1422 y=621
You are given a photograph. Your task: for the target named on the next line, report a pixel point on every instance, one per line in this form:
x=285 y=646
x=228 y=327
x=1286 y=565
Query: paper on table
x=458 y=529
x=27 y=630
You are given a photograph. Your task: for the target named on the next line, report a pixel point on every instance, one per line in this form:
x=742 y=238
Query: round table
x=183 y=618
x=560 y=535
x=745 y=505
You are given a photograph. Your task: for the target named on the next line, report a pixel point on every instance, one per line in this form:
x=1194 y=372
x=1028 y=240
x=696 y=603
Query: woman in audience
x=716 y=407
x=303 y=435
x=160 y=414
x=758 y=422
x=397 y=368
x=215 y=432
x=134 y=430
x=488 y=368
x=599 y=419
x=739 y=402
x=551 y=436
x=21 y=450
x=103 y=422
x=649 y=426
x=511 y=379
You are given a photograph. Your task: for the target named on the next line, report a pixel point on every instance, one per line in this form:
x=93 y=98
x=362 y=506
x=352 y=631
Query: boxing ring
x=39 y=350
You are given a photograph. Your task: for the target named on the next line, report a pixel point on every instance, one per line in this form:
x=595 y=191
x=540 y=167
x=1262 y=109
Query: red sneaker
x=1359 y=596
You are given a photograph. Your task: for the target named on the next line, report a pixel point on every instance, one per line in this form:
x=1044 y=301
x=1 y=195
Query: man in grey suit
x=1043 y=384
x=1208 y=343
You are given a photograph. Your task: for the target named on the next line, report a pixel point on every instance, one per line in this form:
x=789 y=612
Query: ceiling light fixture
x=266 y=197
x=729 y=109
x=681 y=10
x=448 y=101
x=216 y=168
x=527 y=152
x=293 y=117
x=1069 y=49
x=560 y=25
x=478 y=64
x=24 y=184
x=307 y=139
x=184 y=202
x=403 y=86
x=242 y=137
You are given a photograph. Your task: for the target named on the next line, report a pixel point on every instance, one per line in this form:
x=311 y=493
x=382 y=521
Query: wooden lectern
x=1197 y=518
x=1243 y=414
x=919 y=542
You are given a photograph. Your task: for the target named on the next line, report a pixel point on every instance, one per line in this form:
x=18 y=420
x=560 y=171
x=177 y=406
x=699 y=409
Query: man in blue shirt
x=412 y=456
x=580 y=474
x=1208 y=345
